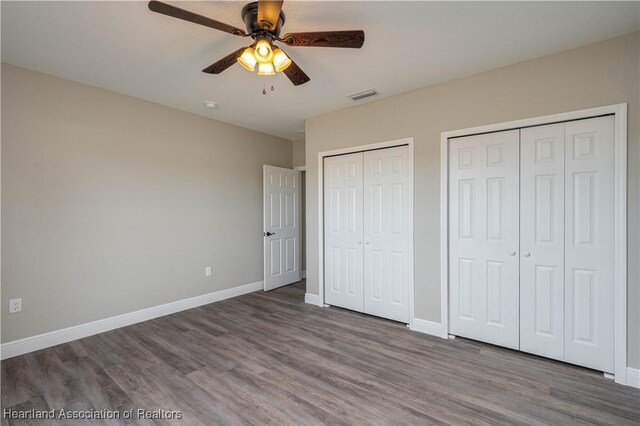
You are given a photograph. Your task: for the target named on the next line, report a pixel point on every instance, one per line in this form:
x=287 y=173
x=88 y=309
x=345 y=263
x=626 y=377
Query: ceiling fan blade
x=269 y=13
x=176 y=12
x=351 y=39
x=295 y=74
x=224 y=63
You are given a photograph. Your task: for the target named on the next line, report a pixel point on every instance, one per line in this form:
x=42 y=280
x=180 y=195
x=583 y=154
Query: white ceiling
x=123 y=47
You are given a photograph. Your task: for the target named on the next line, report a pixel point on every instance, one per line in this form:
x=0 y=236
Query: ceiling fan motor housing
x=250 y=18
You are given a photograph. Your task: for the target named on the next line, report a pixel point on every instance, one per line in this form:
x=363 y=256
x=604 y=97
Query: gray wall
x=111 y=204
x=298 y=148
x=600 y=74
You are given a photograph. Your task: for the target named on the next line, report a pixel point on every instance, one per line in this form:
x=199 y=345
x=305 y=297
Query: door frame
x=620 y=172
x=301 y=169
x=351 y=150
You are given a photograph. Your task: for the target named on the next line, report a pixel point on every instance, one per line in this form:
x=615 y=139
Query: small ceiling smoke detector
x=362 y=95
x=211 y=104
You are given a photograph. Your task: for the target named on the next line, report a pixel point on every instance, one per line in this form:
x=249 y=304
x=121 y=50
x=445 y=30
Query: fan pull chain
x=264 y=89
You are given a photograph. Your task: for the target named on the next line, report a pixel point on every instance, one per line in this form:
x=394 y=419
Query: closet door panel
x=387 y=237
x=542 y=240
x=483 y=237
x=343 y=231
x=589 y=236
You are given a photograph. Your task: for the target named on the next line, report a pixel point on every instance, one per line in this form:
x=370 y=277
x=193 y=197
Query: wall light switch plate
x=207 y=271
x=15 y=305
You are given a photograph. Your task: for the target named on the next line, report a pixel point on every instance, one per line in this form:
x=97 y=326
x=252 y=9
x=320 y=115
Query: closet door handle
x=526 y=254
x=359 y=242
x=512 y=253
x=367 y=243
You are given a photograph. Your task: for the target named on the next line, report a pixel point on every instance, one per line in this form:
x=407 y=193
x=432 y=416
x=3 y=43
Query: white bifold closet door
x=387 y=240
x=367 y=243
x=532 y=264
x=542 y=203
x=567 y=241
x=589 y=243
x=343 y=231
x=483 y=237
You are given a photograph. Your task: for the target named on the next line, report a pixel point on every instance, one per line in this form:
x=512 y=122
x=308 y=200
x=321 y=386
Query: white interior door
x=387 y=233
x=589 y=235
x=343 y=231
x=483 y=237
x=281 y=192
x=542 y=240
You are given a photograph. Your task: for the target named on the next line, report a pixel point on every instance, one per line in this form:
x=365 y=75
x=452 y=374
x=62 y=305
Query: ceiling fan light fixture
x=266 y=69
x=248 y=59
x=263 y=20
x=280 y=60
x=263 y=51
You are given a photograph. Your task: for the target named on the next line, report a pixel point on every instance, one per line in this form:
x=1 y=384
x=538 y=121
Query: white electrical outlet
x=15 y=305
x=207 y=271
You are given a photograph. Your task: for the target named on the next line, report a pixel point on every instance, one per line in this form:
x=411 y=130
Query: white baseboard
x=45 y=340
x=303 y=274
x=428 y=327
x=312 y=299
x=633 y=377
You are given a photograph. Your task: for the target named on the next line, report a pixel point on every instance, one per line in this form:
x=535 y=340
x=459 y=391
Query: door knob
x=512 y=253
x=268 y=234
x=359 y=242
x=527 y=254
x=367 y=243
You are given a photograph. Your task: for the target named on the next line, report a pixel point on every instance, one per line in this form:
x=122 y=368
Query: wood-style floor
x=268 y=358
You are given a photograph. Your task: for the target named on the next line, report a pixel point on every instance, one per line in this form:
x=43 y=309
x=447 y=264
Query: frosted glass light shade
x=280 y=60
x=247 y=59
x=266 y=69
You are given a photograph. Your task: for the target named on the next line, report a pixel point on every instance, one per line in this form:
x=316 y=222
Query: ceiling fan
x=264 y=20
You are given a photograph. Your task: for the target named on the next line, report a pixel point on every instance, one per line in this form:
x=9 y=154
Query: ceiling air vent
x=362 y=95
